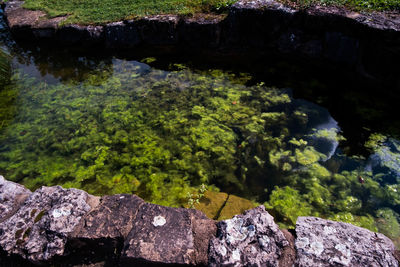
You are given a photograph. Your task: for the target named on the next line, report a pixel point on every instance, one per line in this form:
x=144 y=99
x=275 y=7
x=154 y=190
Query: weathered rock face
x=327 y=243
x=112 y=218
x=39 y=230
x=168 y=235
x=12 y=195
x=251 y=239
x=68 y=227
x=101 y=233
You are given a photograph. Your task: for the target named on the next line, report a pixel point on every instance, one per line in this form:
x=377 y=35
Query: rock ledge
x=69 y=227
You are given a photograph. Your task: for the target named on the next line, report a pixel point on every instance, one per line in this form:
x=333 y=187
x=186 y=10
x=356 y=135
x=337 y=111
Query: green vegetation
x=194 y=198
x=4 y=68
x=103 y=11
x=367 y=5
x=161 y=135
x=7 y=95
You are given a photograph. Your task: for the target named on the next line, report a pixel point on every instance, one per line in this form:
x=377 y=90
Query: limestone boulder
x=167 y=235
x=12 y=195
x=38 y=231
x=250 y=239
x=101 y=233
x=323 y=242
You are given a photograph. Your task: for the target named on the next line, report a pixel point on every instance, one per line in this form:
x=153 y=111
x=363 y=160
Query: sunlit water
x=122 y=126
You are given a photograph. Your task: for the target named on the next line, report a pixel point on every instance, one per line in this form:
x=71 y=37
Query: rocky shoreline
x=69 y=227
x=367 y=44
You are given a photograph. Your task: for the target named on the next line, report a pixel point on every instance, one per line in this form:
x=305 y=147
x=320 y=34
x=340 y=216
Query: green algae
x=160 y=135
x=4 y=68
x=7 y=95
x=157 y=134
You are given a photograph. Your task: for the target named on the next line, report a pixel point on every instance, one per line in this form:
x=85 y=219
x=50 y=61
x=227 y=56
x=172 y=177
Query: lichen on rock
x=250 y=239
x=38 y=231
x=327 y=243
x=12 y=196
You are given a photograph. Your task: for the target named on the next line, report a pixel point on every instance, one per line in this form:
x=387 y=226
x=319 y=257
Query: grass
x=357 y=5
x=103 y=11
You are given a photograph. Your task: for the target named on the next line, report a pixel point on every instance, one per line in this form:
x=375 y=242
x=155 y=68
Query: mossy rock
x=234 y=206
x=211 y=203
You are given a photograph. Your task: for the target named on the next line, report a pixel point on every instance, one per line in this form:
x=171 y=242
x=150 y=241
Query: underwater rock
x=211 y=203
x=12 y=196
x=233 y=206
x=38 y=231
x=386 y=159
x=251 y=239
x=168 y=235
x=323 y=242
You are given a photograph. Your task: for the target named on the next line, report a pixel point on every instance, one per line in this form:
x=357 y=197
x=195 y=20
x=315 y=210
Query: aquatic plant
x=4 y=68
x=161 y=135
x=7 y=94
x=194 y=198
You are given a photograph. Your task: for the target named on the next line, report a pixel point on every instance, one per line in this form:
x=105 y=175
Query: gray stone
x=203 y=230
x=166 y=235
x=158 y=29
x=262 y=4
x=12 y=196
x=251 y=239
x=38 y=231
x=322 y=242
x=112 y=218
x=121 y=34
x=76 y=34
x=201 y=31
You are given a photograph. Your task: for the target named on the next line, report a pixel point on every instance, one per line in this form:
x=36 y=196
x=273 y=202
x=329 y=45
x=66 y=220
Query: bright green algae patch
x=103 y=11
x=158 y=134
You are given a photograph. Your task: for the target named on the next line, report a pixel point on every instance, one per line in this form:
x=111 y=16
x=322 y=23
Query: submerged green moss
x=7 y=93
x=162 y=134
x=4 y=68
x=153 y=133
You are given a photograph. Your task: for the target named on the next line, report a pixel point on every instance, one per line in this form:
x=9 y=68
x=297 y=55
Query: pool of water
x=162 y=127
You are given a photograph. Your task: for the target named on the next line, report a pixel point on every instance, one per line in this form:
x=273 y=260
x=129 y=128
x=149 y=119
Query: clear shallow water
x=111 y=125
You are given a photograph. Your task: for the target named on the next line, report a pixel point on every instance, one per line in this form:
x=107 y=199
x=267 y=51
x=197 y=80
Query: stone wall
x=367 y=43
x=69 y=227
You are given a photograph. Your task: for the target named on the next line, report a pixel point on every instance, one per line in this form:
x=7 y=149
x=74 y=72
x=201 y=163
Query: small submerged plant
x=194 y=198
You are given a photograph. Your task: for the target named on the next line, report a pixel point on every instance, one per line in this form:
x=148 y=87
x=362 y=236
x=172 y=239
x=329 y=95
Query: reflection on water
x=111 y=125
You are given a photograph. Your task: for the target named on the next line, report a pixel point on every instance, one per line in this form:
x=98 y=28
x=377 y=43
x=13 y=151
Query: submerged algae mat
x=129 y=128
